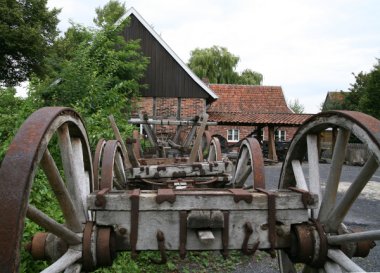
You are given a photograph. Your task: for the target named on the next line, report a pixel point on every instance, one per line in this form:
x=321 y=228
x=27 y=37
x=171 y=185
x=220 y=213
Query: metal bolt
x=264 y=227
x=122 y=231
x=280 y=232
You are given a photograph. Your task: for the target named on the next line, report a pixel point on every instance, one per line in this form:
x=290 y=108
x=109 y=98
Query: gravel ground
x=364 y=214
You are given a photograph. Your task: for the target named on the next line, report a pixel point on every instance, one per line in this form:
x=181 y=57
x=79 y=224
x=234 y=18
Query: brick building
x=175 y=92
x=260 y=111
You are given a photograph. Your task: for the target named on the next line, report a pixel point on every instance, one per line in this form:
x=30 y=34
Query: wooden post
x=198 y=139
x=271 y=144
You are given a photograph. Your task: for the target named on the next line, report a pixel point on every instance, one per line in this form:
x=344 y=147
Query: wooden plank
x=169 y=122
x=200 y=200
x=205 y=236
x=198 y=139
x=314 y=179
x=168 y=223
x=181 y=170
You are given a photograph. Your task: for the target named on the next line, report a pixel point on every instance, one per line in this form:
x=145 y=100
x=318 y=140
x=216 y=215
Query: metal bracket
x=241 y=194
x=182 y=233
x=161 y=247
x=165 y=195
x=134 y=197
x=272 y=235
x=248 y=232
x=100 y=199
x=307 y=199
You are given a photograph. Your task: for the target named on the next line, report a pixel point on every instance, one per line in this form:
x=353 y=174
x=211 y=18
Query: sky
x=307 y=47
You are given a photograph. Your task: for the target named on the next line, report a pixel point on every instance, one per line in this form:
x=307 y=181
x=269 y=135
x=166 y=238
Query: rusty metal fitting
x=309 y=244
x=88 y=259
x=363 y=248
x=105 y=246
x=37 y=246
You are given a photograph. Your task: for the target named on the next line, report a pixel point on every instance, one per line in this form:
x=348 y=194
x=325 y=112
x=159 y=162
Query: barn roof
x=167 y=75
x=252 y=105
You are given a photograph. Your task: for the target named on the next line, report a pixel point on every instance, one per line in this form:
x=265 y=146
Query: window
x=233 y=135
x=280 y=135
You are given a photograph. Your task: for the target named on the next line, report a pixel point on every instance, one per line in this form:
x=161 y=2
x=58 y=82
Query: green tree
x=102 y=77
x=109 y=14
x=28 y=29
x=364 y=95
x=250 y=77
x=296 y=106
x=217 y=65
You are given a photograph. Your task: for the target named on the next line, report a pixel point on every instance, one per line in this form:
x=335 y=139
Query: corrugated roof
x=253 y=105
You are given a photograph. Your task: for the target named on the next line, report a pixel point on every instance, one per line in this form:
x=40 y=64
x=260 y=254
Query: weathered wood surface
x=181 y=170
x=168 y=223
x=165 y=217
x=199 y=200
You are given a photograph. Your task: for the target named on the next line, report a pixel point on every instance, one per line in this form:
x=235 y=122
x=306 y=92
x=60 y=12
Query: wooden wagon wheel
x=204 y=148
x=29 y=151
x=328 y=217
x=250 y=161
x=112 y=170
x=97 y=162
x=215 y=150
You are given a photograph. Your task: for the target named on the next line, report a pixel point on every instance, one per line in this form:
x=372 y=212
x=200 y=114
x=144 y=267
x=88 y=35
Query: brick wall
x=168 y=107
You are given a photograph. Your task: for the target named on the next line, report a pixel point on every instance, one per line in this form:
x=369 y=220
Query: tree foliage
x=364 y=95
x=109 y=14
x=217 y=65
x=28 y=29
x=100 y=78
x=296 y=106
x=250 y=77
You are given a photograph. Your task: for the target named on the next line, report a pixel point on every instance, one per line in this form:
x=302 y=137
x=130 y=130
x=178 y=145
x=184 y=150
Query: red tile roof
x=253 y=105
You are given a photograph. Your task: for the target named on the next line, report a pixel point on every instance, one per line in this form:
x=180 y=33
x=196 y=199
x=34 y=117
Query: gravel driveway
x=364 y=214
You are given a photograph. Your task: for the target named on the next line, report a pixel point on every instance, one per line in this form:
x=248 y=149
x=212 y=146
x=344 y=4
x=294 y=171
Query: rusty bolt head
x=122 y=231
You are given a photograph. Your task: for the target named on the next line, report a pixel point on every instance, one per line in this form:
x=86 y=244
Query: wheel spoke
x=299 y=175
x=60 y=191
x=72 y=171
x=337 y=215
x=74 y=268
x=372 y=235
x=241 y=168
x=69 y=258
x=342 y=260
x=119 y=170
x=212 y=153
x=52 y=226
x=332 y=183
x=285 y=264
x=331 y=267
x=313 y=158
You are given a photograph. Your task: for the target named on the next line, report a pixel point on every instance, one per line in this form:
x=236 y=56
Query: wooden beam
x=271 y=144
